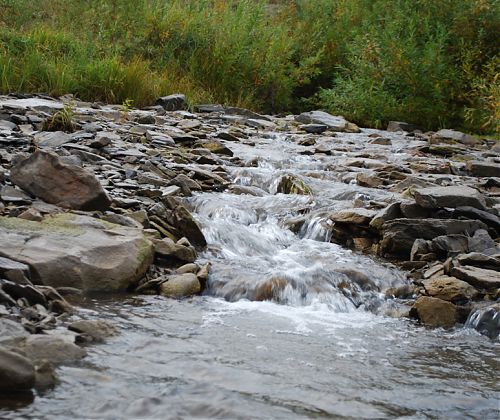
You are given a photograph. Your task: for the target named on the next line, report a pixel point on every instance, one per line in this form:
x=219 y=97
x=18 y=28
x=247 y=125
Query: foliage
x=62 y=120
x=432 y=63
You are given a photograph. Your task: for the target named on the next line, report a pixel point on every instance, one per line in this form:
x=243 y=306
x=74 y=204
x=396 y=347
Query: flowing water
x=291 y=326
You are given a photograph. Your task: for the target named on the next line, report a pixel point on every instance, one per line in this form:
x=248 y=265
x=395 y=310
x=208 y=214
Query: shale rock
x=400 y=234
x=45 y=176
x=437 y=197
x=478 y=277
x=77 y=251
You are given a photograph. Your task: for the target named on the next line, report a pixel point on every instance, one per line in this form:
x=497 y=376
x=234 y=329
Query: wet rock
x=44 y=175
x=292 y=184
x=181 y=285
x=400 y=234
x=400 y=126
x=97 y=331
x=53 y=349
x=486 y=320
x=17 y=372
x=437 y=197
x=450 y=289
x=175 y=102
x=483 y=168
x=334 y=123
x=168 y=248
x=102 y=256
x=435 y=312
x=478 y=277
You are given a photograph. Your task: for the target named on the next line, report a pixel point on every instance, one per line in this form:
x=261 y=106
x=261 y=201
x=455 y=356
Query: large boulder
x=452 y=197
x=400 y=234
x=17 y=373
x=78 y=251
x=46 y=176
x=435 y=312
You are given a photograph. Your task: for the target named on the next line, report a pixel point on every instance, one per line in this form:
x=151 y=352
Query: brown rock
x=45 y=176
x=450 y=289
x=436 y=312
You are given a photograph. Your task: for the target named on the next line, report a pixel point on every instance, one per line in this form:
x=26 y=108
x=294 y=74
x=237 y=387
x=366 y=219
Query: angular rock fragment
x=452 y=197
x=478 y=277
x=45 y=176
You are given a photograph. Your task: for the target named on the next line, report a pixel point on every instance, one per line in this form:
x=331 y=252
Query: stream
x=290 y=326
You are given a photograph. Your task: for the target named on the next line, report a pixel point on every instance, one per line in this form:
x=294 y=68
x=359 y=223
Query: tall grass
x=433 y=63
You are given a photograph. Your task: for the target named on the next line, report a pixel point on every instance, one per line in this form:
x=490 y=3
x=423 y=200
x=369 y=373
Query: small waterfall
x=254 y=254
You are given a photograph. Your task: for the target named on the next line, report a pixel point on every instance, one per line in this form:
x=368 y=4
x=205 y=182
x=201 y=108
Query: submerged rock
x=292 y=184
x=77 y=251
x=486 y=320
x=17 y=373
x=46 y=176
x=181 y=285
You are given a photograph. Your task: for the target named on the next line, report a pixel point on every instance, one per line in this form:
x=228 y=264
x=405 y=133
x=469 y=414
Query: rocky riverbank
x=93 y=199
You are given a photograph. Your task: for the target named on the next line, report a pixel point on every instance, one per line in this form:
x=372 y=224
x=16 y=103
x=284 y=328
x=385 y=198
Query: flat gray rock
x=77 y=251
x=451 y=197
x=335 y=123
